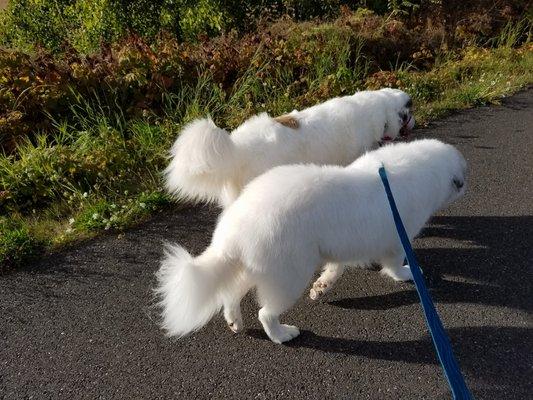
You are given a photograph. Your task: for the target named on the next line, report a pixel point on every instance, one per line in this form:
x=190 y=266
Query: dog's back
x=341 y=209
x=211 y=165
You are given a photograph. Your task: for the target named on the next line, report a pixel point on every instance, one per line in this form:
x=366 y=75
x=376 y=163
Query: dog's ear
x=288 y=121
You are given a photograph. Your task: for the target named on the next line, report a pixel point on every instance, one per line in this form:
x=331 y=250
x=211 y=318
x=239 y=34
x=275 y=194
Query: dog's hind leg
x=330 y=274
x=277 y=296
x=231 y=298
x=393 y=266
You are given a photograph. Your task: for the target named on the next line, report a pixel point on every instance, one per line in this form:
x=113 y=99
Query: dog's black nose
x=458 y=183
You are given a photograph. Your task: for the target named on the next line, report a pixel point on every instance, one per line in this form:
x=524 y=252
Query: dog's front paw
x=283 y=333
x=319 y=288
x=401 y=274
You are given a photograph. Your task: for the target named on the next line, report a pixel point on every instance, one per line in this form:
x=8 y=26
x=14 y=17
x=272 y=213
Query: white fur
x=210 y=165
x=293 y=219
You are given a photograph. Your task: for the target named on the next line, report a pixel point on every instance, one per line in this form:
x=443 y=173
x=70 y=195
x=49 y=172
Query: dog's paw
x=236 y=326
x=283 y=333
x=319 y=288
x=401 y=274
x=233 y=318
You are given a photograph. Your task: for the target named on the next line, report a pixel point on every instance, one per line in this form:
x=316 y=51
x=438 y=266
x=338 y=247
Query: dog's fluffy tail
x=190 y=289
x=203 y=157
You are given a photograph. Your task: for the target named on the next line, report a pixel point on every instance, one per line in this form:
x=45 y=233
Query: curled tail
x=203 y=157
x=191 y=289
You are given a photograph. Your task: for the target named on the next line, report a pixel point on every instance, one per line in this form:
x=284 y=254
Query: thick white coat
x=293 y=219
x=209 y=164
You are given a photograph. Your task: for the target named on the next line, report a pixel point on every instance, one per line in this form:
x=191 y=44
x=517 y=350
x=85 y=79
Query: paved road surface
x=78 y=325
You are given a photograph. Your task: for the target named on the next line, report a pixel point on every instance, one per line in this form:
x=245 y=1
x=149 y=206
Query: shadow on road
x=495 y=255
x=488 y=354
x=493 y=252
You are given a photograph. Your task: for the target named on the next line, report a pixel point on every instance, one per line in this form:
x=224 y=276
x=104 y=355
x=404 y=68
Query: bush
x=134 y=77
x=84 y=25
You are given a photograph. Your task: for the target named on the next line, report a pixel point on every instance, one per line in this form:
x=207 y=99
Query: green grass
x=104 y=214
x=18 y=244
x=481 y=77
x=100 y=170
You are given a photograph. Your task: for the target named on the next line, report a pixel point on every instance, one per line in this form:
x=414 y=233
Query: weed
x=17 y=245
x=105 y=214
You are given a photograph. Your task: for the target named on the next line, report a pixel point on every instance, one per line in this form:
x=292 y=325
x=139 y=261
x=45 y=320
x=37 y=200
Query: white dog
x=294 y=219
x=210 y=165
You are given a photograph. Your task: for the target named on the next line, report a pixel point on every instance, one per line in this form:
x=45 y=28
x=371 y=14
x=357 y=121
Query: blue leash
x=438 y=334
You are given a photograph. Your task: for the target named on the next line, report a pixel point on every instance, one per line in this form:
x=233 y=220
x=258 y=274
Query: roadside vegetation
x=93 y=93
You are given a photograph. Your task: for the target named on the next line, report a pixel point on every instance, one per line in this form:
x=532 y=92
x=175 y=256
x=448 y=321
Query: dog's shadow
x=487 y=263
x=492 y=262
x=381 y=302
x=500 y=355
x=411 y=352
x=444 y=291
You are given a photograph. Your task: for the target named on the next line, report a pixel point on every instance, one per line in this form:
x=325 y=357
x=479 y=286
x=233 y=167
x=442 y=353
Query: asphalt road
x=79 y=325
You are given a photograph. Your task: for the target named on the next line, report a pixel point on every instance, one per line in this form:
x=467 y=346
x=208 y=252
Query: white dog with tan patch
x=208 y=164
x=294 y=219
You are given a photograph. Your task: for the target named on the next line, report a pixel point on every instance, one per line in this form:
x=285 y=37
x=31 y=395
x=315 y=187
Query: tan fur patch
x=288 y=120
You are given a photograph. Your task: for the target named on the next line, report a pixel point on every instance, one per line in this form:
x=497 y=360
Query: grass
x=17 y=243
x=480 y=77
x=100 y=170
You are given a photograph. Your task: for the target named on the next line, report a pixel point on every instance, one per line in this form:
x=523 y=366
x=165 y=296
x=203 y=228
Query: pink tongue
x=387 y=138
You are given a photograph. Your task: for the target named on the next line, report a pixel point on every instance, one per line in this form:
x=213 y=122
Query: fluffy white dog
x=294 y=219
x=210 y=165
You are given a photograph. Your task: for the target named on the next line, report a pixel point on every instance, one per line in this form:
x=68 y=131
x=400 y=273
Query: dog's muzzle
x=384 y=140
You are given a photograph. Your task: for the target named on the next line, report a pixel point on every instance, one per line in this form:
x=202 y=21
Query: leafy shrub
x=58 y=25
x=383 y=79
x=52 y=23
x=84 y=24
x=134 y=77
x=106 y=120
